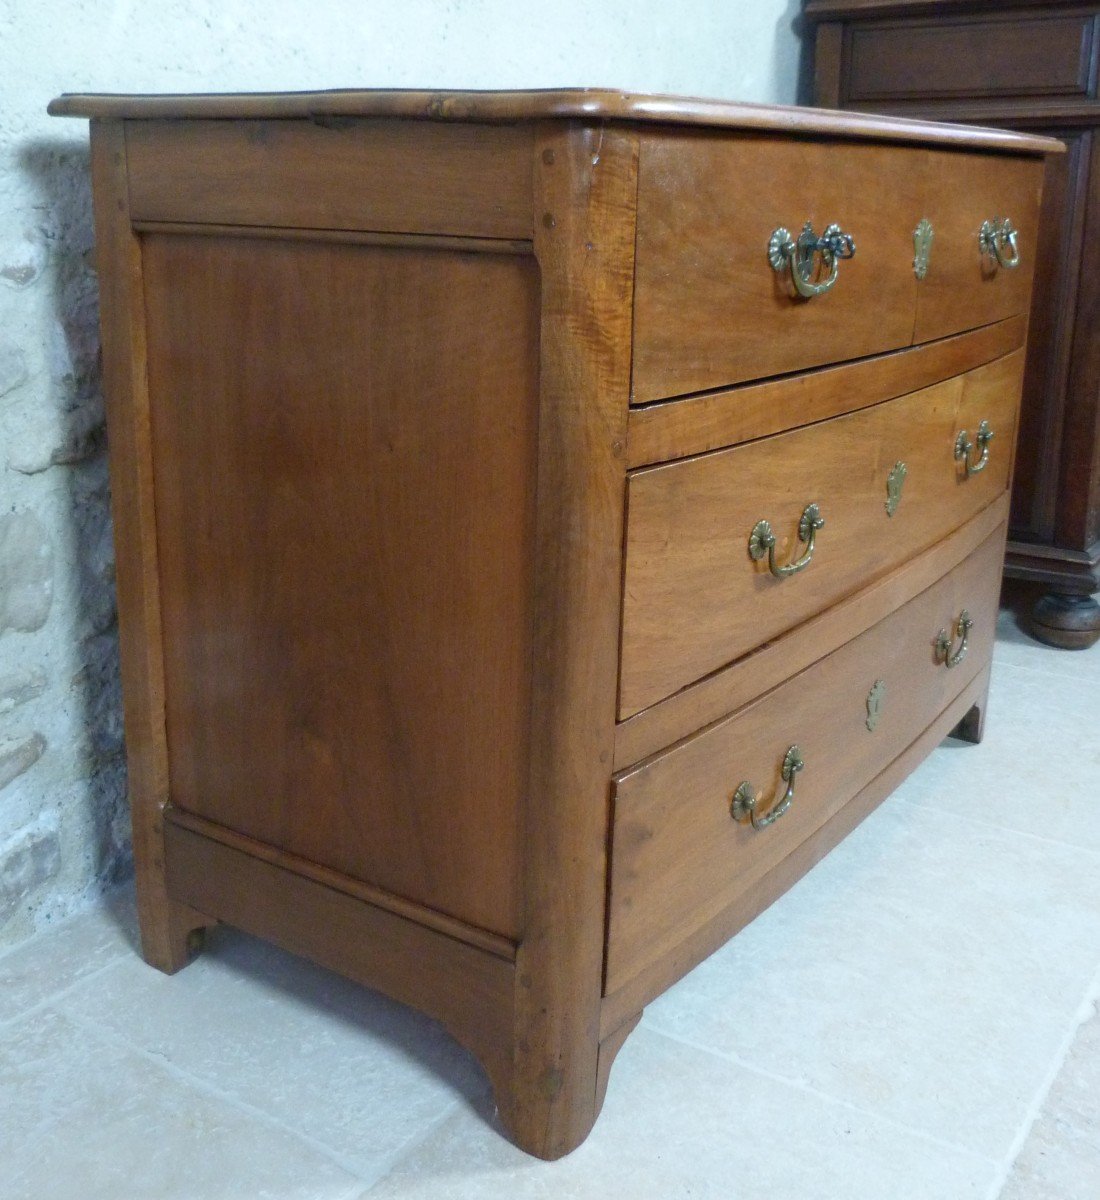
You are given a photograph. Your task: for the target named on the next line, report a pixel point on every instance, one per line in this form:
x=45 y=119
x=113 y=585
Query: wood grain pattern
x=387 y=176
x=769 y=664
x=695 y=424
x=709 y=308
x=165 y=925
x=343 y=442
x=1050 y=343
x=585 y=184
x=1049 y=56
x=610 y=1045
x=963 y=288
x=467 y=989
x=588 y=104
x=376 y=897
x=677 y=857
x=828 y=52
x=1078 y=521
x=704 y=940
x=694 y=600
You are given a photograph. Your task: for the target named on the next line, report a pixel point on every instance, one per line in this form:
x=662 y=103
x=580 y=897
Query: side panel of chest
x=343 y=449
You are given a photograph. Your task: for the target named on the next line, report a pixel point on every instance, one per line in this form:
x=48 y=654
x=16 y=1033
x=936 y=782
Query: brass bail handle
x=999 y=239
x=964 y=448
x=799 y=255
x=944 y=652
x=762 y=541
x=746 y=802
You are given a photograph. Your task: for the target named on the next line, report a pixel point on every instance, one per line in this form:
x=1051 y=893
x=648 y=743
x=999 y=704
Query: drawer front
x=965 y=286
x=679 y=857
x=934 y=60
x=710 y=310
x=695 y=600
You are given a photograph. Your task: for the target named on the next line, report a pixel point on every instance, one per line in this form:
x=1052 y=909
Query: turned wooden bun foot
x=1068 y=622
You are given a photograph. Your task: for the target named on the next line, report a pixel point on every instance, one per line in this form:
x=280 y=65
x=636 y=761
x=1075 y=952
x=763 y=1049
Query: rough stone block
x=13 y=369
x=26 y=572
x=18 y=755
x=18 y=687
x=51 y=439
x=26 y=862
x=22 y=261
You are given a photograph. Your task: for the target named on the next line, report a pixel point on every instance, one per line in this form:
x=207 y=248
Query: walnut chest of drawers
x=546 y=524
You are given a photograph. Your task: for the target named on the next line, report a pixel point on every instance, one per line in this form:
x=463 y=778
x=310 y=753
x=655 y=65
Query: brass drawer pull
x=964 y=447
x=944 y=653
x=762 y=541
x=998 y=239
x=799 y=255
x=745 y=799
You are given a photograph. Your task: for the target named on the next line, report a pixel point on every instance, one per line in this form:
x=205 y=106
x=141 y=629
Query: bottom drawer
x=678 y=853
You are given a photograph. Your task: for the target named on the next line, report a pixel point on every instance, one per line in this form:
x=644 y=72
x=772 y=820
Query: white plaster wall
x=63 y=820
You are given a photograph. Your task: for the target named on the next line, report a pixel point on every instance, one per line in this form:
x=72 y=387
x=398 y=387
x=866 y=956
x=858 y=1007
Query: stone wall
x=63 y=817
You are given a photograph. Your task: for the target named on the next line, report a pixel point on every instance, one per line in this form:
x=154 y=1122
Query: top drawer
x=710 y=310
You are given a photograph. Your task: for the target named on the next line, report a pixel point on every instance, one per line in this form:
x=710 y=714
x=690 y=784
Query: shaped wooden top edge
x=597 y=104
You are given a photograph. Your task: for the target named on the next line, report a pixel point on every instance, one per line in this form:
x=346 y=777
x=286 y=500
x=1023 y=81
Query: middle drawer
x=700 y=590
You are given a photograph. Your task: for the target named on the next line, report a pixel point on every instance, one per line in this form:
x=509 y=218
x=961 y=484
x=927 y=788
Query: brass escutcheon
x=745 y=800
x=876 y=698
x=922 y=247
x=894 y=482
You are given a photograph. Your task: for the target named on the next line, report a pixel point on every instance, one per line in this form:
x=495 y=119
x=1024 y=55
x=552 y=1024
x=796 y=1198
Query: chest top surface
x=590 y=104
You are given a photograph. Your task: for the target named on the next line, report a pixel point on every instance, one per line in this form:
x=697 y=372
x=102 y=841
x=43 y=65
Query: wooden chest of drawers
x=531 y=557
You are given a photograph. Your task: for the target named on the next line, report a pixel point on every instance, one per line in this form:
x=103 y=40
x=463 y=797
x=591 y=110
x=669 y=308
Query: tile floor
x=916 y=1019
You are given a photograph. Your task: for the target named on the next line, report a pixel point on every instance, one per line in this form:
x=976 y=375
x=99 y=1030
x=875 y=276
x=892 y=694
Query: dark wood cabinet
x=1029 y=66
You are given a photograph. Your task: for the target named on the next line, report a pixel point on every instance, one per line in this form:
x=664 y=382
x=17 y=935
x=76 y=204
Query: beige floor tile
x=347 y=1067
x=85 y=1121
x=1016 y=646
x=1061 y=1158
x=925 y=971
x=34 y=971
x=680 y=1123
x=1038 y=767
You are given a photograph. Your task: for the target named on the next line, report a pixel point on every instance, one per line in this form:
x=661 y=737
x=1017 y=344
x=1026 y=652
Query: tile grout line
x=1040 y=669
x=414 y=1144
x=1085 y=1010
x=60 y=994
x=899 y=797
x=1002 y=669
x=807 y=1089
x=204 y=1087
x=1061 y=706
